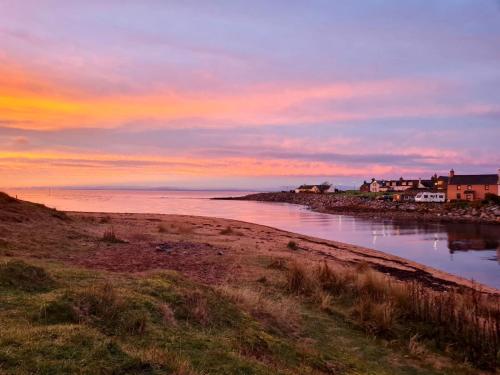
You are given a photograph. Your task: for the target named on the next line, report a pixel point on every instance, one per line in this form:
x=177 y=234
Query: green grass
x=88 y=322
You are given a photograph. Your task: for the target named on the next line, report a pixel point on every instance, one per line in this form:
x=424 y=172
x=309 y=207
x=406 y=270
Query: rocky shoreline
x=359 y=205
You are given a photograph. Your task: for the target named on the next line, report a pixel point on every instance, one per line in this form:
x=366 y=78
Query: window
x=459 y=187
x=469 y=187
x=486 y=187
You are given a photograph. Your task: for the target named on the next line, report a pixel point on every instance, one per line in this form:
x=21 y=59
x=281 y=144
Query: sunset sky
x=246 y=94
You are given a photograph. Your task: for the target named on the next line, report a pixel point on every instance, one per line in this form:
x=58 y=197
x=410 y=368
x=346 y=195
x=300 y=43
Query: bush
x=491 y=198
x=292 y=245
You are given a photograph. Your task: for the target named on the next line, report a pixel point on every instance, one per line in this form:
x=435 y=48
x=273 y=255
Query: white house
x=317 y=189
x=377 y=186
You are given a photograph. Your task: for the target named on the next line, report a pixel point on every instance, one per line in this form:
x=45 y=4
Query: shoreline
x=143 y=233
x=334 y=203
x=135 y=278
x=274 y=240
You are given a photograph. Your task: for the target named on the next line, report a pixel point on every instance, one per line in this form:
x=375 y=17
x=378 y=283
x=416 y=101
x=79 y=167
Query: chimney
x=452 y=173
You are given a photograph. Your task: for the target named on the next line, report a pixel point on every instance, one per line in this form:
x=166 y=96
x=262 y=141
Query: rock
x=220 y=252
x=163 y=247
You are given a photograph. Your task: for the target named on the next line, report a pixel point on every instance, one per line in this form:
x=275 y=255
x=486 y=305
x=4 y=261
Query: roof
x=320 y=187
x=473 y=179
x=400 y=182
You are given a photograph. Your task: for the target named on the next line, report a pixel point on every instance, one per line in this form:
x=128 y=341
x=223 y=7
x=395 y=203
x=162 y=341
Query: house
x=365 y=188
x=440 y=183
x=317 y=189
x=377 y=186
x=472 y=187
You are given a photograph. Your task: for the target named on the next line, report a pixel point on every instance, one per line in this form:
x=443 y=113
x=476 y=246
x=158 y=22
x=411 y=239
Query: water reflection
x=468 y=250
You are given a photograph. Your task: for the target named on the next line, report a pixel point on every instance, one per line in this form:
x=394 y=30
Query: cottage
x=365 y=188
x=377 y=186
x=317 y=189
x=472 y=187
x=440 y=183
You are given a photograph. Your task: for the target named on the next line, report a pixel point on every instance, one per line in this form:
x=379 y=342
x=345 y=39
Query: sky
x=238 y=94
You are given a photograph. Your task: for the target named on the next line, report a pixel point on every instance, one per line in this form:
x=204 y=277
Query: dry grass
x=110 y=236
x=227 y=230
x=415 y=347
x=282 y=312
x=161 y=359
x=176 y=228
x=105 y=220
x=167 y=314
x=278 y=264
x=196 y=308
x=97 y=302
x=467 y=320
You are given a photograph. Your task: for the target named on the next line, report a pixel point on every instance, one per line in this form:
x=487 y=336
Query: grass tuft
x=110 y=236
x=19 y=275
x=227 y=230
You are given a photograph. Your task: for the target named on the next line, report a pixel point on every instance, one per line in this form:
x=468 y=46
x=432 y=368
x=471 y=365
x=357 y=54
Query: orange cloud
x=52 y=168
x=29 y=101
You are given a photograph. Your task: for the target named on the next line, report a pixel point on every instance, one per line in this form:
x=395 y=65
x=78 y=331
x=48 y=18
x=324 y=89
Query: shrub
x=22 y=276
x=162 y=228
x=292 y=245
x=491 y=198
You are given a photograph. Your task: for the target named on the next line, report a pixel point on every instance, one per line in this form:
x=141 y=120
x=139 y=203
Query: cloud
x=20 y=141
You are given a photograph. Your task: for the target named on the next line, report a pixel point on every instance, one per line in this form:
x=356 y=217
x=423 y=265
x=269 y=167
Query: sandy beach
x=210 y=250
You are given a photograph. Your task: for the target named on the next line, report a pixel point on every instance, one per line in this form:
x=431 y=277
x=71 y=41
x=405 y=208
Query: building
x=317 y=189
x=440 y=183
x=365 y=188
x=406 y=196
x=472 y=187
x=377 y=186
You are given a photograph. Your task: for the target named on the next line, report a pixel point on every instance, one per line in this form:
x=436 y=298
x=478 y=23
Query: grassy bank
x=70 y=303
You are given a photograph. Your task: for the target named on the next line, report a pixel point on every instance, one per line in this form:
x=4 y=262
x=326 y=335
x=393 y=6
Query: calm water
x=468 y=250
